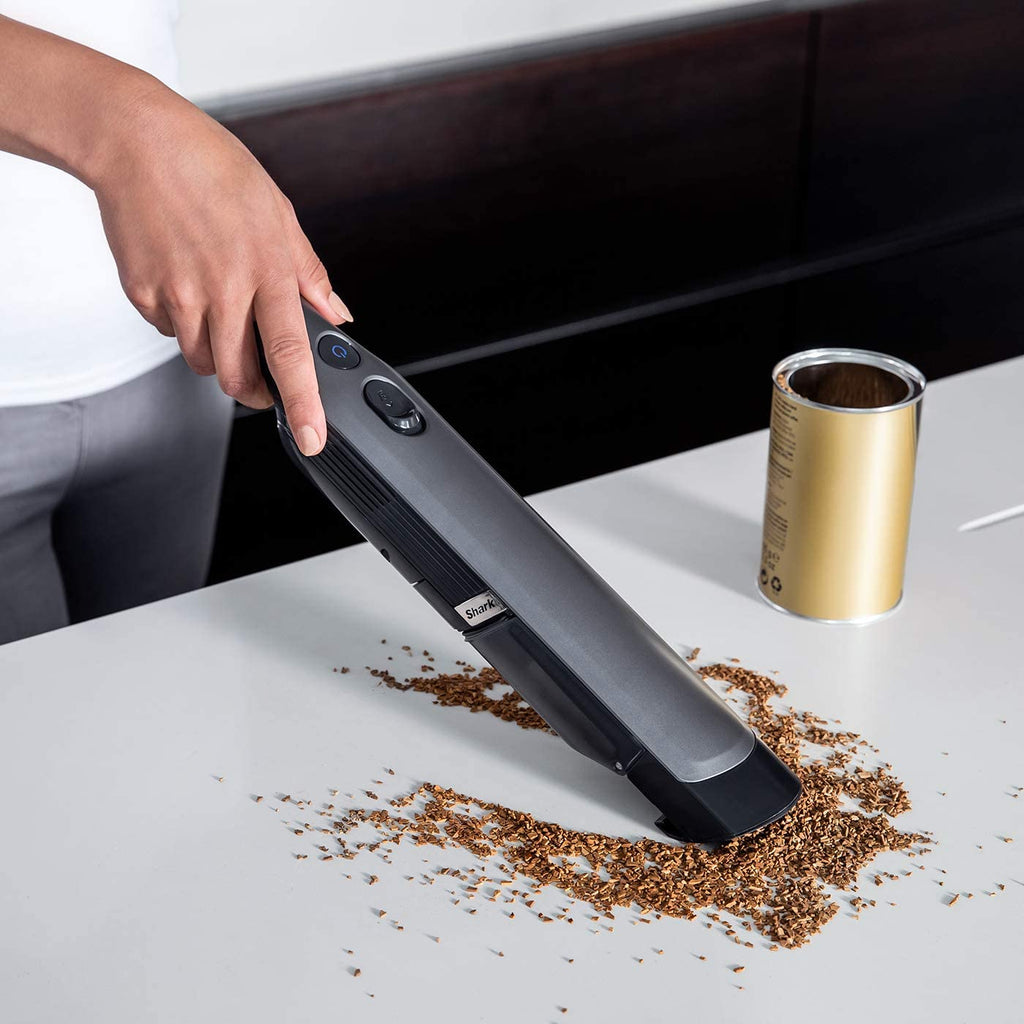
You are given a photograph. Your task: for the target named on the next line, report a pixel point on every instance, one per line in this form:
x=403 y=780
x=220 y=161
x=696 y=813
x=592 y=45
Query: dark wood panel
x=946 y=309
x=576 y=408
x=461 y=210
x=918 y=115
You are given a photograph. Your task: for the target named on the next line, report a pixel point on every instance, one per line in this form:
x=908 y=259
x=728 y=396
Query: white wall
x=228 y=47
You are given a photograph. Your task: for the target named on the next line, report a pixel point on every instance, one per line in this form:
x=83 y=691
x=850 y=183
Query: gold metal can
x=842 y=448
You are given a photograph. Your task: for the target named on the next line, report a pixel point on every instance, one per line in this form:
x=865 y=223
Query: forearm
x=64 y=104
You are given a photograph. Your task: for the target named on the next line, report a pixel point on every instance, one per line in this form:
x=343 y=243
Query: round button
x=336 y=350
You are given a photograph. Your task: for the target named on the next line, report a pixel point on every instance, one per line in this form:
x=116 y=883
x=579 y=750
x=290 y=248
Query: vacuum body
x=494 y=570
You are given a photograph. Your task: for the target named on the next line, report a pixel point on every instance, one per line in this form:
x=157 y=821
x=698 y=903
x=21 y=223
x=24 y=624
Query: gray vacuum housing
x=496 y=571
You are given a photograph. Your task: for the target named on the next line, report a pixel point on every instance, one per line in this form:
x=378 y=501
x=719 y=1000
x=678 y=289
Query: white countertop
x=135 y=887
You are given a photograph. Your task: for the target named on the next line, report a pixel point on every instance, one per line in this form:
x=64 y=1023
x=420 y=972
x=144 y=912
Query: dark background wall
x=592 y=258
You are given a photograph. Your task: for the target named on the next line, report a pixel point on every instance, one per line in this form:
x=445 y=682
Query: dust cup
x=842 y=448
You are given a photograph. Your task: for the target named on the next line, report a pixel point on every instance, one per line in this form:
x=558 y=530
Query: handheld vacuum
x=494 y=570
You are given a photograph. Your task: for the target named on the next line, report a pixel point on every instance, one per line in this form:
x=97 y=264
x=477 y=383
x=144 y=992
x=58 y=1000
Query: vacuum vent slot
x=337 y=463
x=396 y=520
x=451 y=577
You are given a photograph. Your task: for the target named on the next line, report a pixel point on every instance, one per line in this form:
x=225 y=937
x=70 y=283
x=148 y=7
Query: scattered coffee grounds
x=785 y=881
x=470 y=688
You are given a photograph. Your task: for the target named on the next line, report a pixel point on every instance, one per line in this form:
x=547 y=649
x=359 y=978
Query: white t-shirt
x=66 y=328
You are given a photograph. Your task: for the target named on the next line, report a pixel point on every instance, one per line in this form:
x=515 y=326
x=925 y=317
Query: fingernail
x=339 y=307
x=309 y=441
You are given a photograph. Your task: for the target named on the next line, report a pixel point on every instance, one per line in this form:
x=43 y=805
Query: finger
x=193 y=337
x=233 y=344
x=314 y=284
x=286 y=347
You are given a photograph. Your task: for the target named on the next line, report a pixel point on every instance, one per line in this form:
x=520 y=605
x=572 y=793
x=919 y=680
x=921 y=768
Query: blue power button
x=336 y=350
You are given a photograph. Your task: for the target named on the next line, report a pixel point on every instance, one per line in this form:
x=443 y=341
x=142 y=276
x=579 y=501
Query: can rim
x=909 y=374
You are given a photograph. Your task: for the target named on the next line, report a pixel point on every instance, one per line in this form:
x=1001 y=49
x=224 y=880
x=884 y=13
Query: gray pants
x=109 y=501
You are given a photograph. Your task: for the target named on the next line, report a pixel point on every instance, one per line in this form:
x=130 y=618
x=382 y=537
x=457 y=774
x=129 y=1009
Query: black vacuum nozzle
x=756 y=792
x=496 y=571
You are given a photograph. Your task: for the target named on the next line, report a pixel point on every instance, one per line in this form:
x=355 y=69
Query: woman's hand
x=205 y=242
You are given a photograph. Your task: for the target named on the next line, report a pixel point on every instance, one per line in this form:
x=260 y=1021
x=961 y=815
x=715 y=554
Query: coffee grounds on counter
x=471 y=688
x=785 y=881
